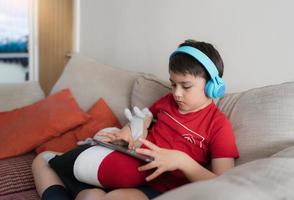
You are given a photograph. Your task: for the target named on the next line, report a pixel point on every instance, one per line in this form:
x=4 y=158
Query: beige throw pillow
x=147 y=89
x=262 y=119
x=89 y=81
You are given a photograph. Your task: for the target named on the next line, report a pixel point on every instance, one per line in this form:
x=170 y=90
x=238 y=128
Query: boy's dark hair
x=185 y=64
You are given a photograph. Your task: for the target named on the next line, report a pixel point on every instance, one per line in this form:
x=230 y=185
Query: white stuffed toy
x=107 y=168
x=139 y=121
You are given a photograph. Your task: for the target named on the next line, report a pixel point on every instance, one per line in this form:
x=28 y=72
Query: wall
x=255 y=38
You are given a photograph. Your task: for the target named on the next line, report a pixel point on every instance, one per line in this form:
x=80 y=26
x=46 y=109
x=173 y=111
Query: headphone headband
x=201 y=57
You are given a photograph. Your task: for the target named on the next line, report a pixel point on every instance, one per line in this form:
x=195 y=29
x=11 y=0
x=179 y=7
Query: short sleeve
x=223 y=141
x=155 y=107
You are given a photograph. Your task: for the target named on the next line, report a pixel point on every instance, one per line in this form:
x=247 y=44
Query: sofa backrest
x=89 y=81
x=262 y=118
x=16 y=95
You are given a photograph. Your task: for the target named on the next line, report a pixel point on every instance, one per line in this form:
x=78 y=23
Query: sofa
x=262 y=119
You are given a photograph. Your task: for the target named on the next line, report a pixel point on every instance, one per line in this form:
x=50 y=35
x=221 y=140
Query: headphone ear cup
x=219 y=89
x=209 y=89
x=213 y=90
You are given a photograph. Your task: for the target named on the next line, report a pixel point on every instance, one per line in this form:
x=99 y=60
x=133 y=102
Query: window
x=16 y=40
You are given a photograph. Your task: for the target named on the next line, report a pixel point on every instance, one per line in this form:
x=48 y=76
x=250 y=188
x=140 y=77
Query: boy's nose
x=178 y=93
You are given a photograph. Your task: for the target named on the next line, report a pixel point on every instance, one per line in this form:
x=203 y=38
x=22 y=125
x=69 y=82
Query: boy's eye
x=184 y=87
x=187 y=87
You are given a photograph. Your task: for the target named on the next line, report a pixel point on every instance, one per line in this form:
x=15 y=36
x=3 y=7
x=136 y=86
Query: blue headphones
x=215 y=87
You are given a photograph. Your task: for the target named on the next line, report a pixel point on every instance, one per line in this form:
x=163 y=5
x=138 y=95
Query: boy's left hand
x=164 y=159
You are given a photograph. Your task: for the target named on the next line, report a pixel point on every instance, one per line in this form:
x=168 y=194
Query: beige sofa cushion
x=147 y=89
x=263 y=179
x=15 y=95
x=262 y=119
x=89 y=80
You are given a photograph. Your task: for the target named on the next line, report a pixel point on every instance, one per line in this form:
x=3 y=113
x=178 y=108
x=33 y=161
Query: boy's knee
x=91 y=194
x=40 y=160
x=130 y=194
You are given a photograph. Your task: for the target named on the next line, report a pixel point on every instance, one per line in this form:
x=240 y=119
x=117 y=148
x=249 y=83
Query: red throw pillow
x=23 y=129
x=101 y=117
x=61 y=143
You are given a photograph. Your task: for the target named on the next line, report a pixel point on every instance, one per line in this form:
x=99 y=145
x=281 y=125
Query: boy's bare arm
x=196 y=172
x=169 y=160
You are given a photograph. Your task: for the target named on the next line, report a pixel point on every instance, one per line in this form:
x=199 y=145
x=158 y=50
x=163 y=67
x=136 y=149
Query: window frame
x=33 y=41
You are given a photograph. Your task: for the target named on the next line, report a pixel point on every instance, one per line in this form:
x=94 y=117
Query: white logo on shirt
x=191 y=131
x=189 y=138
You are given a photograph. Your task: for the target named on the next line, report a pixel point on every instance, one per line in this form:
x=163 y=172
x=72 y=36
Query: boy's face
x=188 y=92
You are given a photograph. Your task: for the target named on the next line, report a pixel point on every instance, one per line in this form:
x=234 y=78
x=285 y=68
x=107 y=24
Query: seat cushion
x=24 y=195
x=16 y=174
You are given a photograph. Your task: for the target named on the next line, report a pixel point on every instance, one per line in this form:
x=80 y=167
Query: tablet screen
x=125 y=150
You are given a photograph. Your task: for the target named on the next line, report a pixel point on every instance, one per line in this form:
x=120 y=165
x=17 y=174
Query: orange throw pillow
x=101 y=117
x=23 y=129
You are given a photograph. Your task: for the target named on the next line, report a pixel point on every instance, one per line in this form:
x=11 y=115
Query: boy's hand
x=121 y=137
x=164 y=159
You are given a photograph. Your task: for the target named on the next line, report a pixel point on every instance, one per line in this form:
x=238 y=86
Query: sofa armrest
x=262 y=179
x=15 y=95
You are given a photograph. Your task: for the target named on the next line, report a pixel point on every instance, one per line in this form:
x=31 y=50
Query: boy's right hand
x=121 y=137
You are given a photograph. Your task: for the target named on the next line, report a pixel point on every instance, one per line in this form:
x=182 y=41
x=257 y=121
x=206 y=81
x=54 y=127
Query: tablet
x=130 y=152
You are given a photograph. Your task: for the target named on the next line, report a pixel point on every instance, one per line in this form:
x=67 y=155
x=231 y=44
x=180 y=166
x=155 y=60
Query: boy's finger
x=131 y=144
x=146 y=167
x=146 y=152
x=150 y=145
x=109 y=136
x=105 y=133
x=154 y=175
x=106 y=140
x=101 y=133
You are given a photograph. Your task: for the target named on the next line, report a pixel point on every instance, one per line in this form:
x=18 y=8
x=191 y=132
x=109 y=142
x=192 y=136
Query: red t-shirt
x=203 y=135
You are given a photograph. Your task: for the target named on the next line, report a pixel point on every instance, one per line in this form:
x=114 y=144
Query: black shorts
x=63 y=166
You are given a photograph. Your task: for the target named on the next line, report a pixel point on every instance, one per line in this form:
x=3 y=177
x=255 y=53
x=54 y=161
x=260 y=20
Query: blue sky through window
x=13 y=19
x=14 y=34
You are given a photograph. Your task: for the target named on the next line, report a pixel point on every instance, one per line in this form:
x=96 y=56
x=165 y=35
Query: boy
x=189 y=134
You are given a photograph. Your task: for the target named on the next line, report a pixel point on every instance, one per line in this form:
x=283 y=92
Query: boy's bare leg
x=118 y=194
x=90 y=194
x=44 y=176
x=128 y=193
